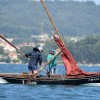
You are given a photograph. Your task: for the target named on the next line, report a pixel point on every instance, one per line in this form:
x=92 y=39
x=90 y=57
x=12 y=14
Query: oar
x=12 y=45
x=47 y=63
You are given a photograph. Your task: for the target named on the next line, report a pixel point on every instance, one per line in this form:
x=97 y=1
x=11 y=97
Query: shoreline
x=89 y=65
x=79 y=64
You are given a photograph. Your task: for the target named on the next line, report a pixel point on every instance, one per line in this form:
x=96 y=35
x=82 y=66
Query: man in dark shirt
x=35 y=60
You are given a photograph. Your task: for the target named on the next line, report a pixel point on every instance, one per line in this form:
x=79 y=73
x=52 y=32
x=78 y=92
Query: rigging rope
x=37 y=14
x=38 y=17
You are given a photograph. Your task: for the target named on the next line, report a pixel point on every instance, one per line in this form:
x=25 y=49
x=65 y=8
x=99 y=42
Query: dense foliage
x=22 y=18
x=85 y=51
x=1 y=51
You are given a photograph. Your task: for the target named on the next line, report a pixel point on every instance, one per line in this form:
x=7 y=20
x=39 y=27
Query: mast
x=53 y=24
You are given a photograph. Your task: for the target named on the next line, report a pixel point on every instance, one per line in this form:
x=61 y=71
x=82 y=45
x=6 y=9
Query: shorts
x=32 y=67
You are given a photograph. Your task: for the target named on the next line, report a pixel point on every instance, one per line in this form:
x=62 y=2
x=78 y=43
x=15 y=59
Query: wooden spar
x=53 y=24
x=47 y=63
x=44 y=6
x=12 y=45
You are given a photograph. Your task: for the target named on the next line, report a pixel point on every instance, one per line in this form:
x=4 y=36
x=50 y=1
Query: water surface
x=47 y=92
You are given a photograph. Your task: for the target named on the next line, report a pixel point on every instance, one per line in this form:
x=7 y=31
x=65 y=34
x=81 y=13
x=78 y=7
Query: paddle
x=12 y=45
x=47 y=63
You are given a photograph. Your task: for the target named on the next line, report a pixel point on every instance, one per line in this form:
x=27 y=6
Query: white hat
x=40 y=49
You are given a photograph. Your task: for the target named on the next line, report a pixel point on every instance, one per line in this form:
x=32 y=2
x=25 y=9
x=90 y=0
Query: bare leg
x=35 y=71
x=31 y=72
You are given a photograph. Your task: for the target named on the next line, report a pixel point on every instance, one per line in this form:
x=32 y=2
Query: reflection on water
x=92 y=84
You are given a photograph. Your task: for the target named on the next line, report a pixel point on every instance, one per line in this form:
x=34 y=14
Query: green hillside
x=85 y=51
x=22 y=18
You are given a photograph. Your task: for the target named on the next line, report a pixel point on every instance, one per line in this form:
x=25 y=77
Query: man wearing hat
x=35 y=60
x=53 y=63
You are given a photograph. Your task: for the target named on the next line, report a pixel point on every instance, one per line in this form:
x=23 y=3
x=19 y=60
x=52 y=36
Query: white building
x=42 y=37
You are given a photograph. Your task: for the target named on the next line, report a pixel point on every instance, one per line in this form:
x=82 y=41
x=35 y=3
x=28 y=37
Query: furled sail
x=68 y=60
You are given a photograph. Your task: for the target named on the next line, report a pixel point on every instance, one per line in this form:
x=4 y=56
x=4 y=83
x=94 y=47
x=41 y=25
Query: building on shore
x=13 y=56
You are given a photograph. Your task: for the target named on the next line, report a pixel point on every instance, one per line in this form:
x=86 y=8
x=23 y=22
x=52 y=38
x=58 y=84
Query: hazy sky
x=96 y=1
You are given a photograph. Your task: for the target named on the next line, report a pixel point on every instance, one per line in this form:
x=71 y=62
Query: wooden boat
x=53 y=79
x=74 y=75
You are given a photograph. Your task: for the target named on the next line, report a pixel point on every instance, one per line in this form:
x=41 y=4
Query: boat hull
x=54 y=79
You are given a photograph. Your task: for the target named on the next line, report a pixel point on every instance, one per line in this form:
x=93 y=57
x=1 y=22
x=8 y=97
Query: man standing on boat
x=53 y=63
x=35 y=60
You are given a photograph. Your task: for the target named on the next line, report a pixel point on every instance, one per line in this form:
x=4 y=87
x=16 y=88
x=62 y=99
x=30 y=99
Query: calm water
x=47 y=92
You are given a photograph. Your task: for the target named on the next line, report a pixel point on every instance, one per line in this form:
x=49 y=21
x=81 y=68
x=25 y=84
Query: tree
x=1 y=50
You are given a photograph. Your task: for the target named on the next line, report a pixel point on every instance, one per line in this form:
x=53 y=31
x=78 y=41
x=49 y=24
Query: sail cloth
x=70 y=64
